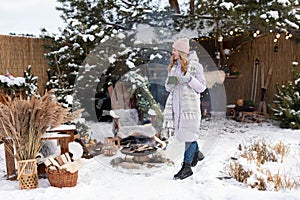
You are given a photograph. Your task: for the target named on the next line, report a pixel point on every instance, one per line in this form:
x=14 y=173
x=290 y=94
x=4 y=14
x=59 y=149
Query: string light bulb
x=220 y=38
x=217 y=55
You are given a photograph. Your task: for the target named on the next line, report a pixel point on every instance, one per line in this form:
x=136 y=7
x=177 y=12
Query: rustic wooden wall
x=263 y=50
x=16 y=53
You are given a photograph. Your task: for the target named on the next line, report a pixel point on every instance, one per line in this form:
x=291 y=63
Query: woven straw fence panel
x=17 y=53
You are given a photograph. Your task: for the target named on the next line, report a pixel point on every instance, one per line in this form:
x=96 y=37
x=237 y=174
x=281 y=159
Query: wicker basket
x=62 y=178
x=27 y=174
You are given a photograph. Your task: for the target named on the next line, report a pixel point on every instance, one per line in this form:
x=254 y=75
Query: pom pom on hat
x=182 y=45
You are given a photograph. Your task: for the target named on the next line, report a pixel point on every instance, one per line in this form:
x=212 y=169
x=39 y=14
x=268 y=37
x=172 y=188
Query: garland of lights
x=240 y=32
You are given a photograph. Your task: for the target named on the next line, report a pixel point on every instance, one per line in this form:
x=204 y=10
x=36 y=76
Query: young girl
x=185 y=82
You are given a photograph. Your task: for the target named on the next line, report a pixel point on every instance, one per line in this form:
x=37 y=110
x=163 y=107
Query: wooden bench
x=63 y=139
x=254 y=117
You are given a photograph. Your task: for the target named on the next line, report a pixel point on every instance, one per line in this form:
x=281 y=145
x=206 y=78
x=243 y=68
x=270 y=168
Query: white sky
x=28 y=16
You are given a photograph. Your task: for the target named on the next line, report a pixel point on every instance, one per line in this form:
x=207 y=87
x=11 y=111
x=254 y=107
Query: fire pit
x=138 y=151
x=139 y=145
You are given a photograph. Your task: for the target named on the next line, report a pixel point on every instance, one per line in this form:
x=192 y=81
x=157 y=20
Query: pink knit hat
x=182 y=45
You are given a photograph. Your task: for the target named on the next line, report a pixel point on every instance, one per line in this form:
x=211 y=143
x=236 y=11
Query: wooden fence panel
x=16 y=53
x=263 y=50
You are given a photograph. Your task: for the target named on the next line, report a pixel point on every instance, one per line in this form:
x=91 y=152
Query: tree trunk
x=175 y=6
x=192 y=7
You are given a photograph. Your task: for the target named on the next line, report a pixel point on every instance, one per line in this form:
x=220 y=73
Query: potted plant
x=24 y=121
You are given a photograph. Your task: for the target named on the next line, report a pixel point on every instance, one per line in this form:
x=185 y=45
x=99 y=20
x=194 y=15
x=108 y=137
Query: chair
x=119 y=96
x=126 y=120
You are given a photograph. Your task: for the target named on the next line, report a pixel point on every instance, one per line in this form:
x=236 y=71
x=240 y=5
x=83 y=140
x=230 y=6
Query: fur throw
x=213 y=77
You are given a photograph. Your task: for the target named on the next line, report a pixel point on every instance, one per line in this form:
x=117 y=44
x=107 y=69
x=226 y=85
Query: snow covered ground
x=219 y=140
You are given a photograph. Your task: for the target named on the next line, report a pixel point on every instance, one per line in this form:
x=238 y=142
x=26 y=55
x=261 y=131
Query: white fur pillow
x=127 y=117
x=76 y=149
x=213 y=77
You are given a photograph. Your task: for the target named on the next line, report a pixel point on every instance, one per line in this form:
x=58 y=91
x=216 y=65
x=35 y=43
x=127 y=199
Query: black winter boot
x=184 y=172
x=198 y=156
x=180 y=171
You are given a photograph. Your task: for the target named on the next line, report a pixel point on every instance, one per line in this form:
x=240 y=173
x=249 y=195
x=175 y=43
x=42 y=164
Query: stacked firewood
x=63 y=162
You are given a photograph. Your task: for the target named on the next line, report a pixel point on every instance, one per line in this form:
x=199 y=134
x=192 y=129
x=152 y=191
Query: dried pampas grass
x=26 y=120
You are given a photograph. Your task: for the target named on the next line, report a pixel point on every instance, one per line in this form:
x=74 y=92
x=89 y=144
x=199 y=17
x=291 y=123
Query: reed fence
x=16 y=53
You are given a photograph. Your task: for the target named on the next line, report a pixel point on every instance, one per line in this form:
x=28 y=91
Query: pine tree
x=30 y=85
x=286 y=103
x=248 y=18
x=90 y=23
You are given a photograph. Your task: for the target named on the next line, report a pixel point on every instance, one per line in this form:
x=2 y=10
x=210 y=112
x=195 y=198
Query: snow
x=227 y=5
x=112 y=58
x=64 y=127
x=292 y=24
x=69 y=99
x=219 y=140
x=9 y=80
x=130 y=64
x=55 y=135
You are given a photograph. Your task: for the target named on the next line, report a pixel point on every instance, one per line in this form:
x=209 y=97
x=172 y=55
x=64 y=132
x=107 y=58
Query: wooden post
x=9 y=158
x=64 y=145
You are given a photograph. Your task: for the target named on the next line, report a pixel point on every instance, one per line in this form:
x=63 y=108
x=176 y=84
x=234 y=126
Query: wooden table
x=67 y=129
x=64 y=139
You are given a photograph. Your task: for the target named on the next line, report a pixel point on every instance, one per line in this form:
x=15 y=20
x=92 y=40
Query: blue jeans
x=190 y=150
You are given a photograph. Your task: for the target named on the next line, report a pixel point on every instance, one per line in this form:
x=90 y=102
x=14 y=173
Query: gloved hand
x=173 y=80
x=184 y=79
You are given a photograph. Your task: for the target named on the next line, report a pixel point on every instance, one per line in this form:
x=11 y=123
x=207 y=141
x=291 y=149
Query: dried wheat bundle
x=26 y=120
